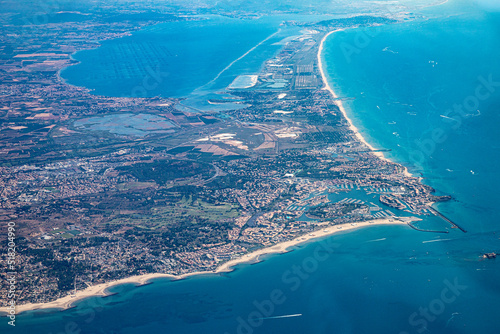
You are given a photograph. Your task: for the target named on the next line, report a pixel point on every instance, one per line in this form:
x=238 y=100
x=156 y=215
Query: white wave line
x=377 y=240
x=243 y=56
x=283 y=316
x=424 y=242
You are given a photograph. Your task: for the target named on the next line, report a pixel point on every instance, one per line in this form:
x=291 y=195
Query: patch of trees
x=165 y=170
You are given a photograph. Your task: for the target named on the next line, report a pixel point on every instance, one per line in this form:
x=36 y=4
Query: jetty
x=422 y=230
x=439 y=214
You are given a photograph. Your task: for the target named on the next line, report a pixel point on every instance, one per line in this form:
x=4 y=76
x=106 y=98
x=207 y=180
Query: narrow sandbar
x=338 y=102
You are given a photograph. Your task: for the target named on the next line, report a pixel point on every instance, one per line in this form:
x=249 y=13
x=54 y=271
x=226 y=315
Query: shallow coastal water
x=370 y=280
x=175 y=57
x=387 y=279
x=181 y=59
x=424 y=89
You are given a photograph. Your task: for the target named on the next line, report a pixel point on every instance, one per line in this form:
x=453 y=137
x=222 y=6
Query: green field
x=183 y=211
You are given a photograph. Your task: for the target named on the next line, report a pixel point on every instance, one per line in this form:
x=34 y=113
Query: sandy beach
x=338 y=102
x=285 y=246
x=102 y=289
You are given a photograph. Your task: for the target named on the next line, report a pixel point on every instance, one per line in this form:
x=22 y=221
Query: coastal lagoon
x=381 y=279
x=138 y=125
x=176 y=57
x=185 y=59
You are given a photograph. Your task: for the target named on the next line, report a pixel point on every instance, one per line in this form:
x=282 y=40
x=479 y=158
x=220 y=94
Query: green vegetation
x=330 y=210
x=186 y=211
x=165 y=170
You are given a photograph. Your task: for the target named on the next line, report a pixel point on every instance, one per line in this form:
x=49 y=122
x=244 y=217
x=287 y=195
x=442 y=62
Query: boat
x=489 y=255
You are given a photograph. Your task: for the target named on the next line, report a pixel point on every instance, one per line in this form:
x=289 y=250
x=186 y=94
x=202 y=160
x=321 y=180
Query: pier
x=439 y=214
x=422 y=230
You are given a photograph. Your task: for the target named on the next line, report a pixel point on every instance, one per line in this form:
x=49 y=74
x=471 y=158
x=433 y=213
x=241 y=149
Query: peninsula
x=107 y=191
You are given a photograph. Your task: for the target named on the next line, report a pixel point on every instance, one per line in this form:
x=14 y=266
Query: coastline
x=101 y=290
x=339 y=104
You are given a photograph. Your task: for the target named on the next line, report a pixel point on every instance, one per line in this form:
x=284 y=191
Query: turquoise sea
x=400 y=86
x=423 y=90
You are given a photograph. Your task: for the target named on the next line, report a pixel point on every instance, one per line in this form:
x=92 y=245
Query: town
x=176 y=190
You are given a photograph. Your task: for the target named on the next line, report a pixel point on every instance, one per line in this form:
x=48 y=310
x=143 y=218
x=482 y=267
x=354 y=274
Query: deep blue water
x=350 y=283
x=379 y=279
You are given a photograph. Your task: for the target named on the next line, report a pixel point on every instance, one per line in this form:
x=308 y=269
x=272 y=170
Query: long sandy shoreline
x=338 y=102
x=102 y=289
